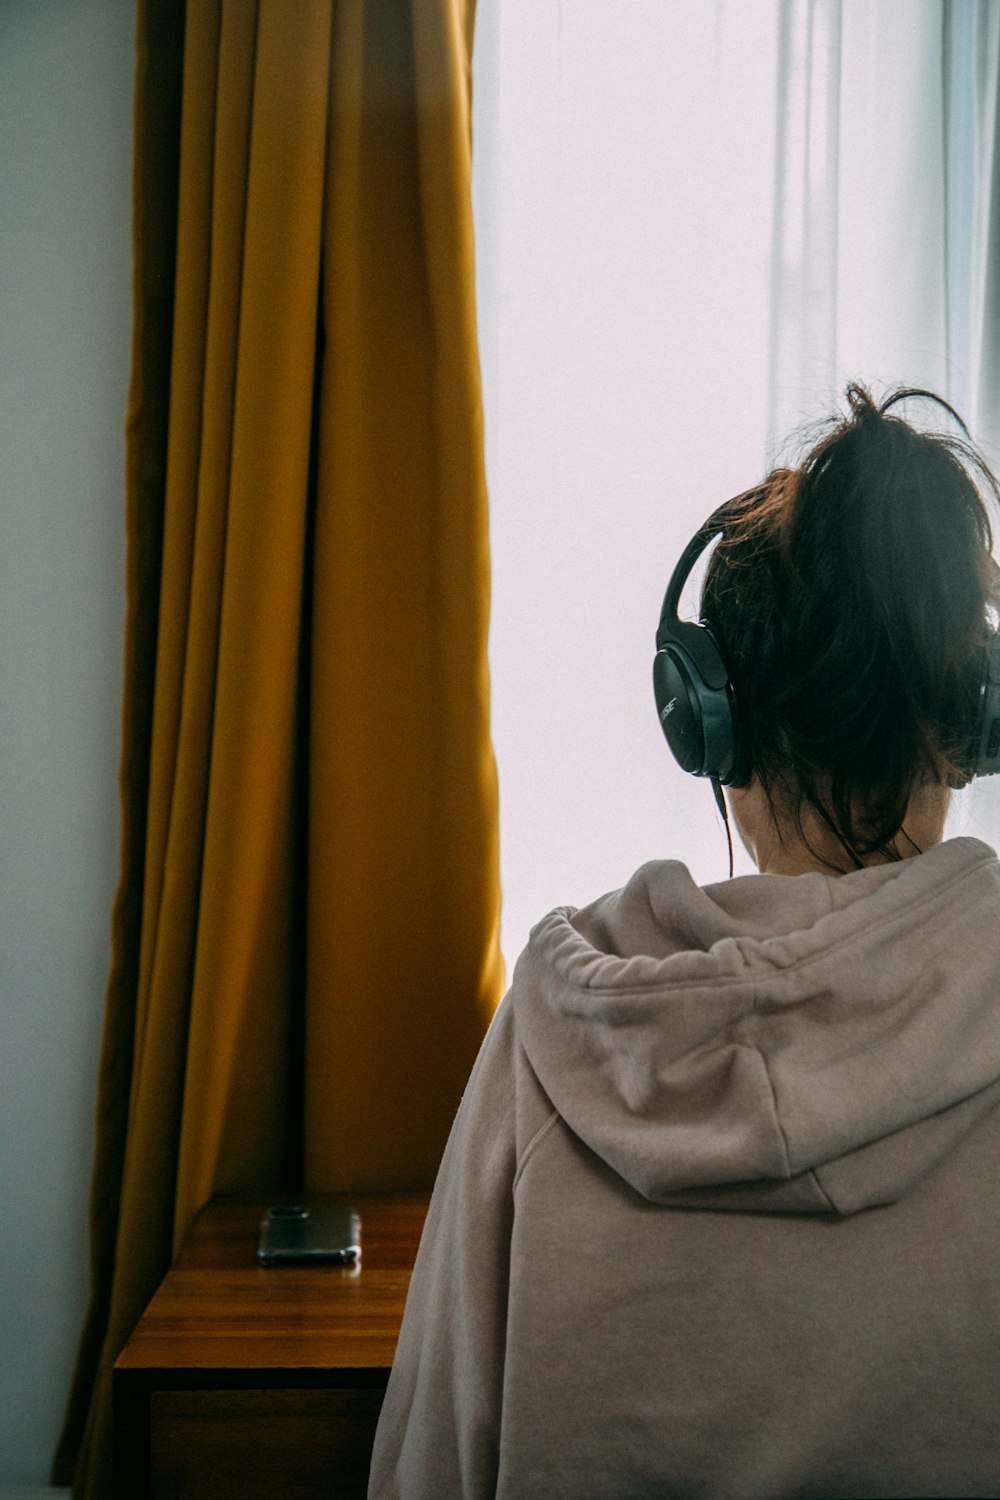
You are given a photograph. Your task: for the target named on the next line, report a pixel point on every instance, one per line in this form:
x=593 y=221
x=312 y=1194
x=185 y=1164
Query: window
x=694 y=224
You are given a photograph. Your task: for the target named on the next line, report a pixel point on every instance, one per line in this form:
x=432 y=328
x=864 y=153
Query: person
x=719 y=1215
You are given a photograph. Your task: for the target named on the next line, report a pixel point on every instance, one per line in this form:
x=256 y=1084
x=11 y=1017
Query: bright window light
x=694 y=223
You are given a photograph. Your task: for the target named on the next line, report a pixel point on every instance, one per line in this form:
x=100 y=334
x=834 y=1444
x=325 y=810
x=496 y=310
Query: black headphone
x=984 y=757
x=694 y=696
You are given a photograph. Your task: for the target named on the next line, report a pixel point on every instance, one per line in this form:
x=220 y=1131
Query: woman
x=720 y=1212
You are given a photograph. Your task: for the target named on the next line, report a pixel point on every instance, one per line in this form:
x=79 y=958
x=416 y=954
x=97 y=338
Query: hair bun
x=859 y=399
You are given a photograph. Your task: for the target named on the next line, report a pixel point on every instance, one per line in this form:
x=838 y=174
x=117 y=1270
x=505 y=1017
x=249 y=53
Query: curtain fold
x=402 y=849
x=858 y=257
x=802 y=364
x=972 y=124
x=309 y=824
x=886 y=241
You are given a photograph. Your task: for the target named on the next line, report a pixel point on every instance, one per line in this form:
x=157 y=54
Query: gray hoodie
x=720 y=1212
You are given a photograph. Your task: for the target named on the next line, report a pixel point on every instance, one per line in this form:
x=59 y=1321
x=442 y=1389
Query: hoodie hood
x=775 y=1043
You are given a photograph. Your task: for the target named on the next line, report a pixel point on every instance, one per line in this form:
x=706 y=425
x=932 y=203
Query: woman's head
x=850 y=597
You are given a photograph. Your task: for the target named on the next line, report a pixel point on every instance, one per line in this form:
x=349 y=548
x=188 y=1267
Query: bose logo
x=669 y=709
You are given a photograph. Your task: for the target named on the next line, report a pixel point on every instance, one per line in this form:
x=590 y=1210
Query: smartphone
x=292 y=1234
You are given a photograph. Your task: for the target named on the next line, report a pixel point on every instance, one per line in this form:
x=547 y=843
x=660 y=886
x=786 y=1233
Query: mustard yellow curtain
x=306 y=947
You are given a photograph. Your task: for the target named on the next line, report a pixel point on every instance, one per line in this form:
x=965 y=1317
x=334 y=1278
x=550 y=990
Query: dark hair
x=850 y=596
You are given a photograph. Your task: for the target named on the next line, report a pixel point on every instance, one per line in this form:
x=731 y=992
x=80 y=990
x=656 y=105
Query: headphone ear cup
x=678 y=707
x=692 y=694
x=986 y=746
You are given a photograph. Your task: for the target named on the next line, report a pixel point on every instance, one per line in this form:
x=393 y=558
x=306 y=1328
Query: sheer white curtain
x=972 y=239
x=857 y=274
x=695 y=222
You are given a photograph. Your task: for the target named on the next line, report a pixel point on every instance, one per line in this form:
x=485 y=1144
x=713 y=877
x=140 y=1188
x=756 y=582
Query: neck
x=777 y=848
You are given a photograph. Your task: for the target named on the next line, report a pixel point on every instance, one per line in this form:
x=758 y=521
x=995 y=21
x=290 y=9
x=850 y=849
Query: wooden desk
x=243 y=1381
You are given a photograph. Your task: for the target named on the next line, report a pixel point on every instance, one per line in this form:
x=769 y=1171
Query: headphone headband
x=706 y=533
x=672 y=598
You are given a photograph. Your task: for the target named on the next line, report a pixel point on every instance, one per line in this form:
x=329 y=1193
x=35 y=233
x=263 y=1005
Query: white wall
x=65 y=164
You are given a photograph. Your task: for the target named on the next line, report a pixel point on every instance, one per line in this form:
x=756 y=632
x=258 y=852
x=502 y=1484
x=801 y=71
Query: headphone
x=694 y=696
x=984 y=751
x=697 y=707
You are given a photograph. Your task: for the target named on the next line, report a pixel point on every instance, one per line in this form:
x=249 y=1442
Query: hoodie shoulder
x=766 y=1027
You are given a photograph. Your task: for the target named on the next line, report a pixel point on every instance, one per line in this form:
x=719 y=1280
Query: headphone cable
x=721 y=803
